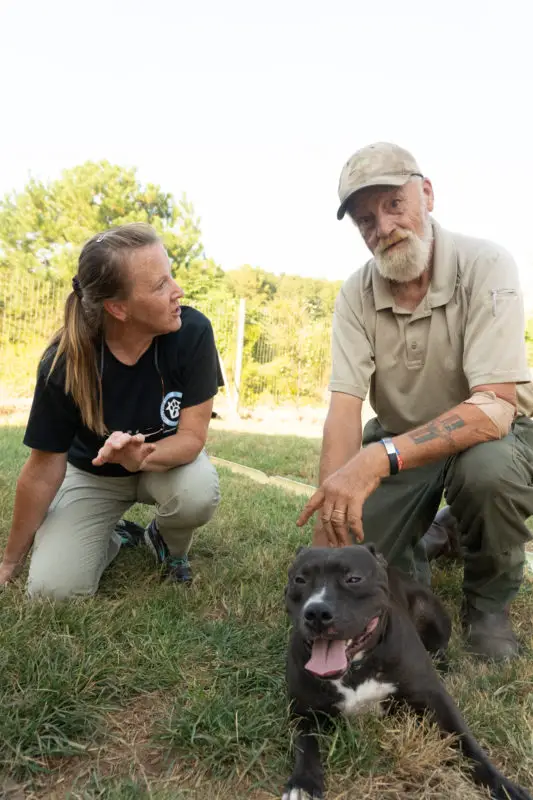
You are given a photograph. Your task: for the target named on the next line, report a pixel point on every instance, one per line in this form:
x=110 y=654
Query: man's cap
x=380 y=164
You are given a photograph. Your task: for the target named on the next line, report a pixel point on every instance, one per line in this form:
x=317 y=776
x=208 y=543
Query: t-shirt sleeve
x=494 y=339
x=352 y=355
x=53 y=419
x=202 y=374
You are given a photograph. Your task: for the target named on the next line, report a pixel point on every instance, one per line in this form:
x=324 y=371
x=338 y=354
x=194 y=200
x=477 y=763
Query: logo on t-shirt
x=170 y=408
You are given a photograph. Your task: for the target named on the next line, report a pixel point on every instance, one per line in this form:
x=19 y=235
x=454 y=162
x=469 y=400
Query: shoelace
x=178 y=562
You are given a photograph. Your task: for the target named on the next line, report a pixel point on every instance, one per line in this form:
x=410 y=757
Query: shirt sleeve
x=54 y=418
x=352 y=353
x=494 y=338
x=202 y=374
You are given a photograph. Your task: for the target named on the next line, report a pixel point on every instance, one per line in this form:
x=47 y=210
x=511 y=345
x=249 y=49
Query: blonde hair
x=102 y=274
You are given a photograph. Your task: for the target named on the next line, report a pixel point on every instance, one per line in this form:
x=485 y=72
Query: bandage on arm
x=499 y=411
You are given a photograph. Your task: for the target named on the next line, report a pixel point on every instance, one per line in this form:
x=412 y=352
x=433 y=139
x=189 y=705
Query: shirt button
x=414 y=345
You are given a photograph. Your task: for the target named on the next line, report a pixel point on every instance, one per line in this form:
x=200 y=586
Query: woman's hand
x=341 y=496
x=8 y=571
x=130 y=451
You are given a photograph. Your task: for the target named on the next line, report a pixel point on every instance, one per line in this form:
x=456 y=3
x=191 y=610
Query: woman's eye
x=299 y=579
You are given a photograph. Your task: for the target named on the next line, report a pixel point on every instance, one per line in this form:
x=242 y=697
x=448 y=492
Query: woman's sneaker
x=174 y=570
x=131 y=534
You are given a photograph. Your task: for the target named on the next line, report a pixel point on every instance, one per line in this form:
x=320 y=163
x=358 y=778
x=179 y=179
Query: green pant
x=490 y=491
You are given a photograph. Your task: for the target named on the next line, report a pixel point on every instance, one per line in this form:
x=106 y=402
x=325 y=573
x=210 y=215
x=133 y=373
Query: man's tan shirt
x=467 y=331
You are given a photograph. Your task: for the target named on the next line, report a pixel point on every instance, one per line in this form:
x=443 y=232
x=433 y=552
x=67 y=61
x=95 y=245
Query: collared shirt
x=468 y=330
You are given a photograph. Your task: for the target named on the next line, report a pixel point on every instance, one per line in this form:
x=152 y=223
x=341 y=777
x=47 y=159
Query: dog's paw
x=300 y=794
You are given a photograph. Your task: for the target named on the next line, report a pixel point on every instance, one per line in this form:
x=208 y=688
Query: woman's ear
x=116 y=309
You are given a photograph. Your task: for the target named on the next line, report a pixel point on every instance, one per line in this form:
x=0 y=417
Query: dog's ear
x=380 y=558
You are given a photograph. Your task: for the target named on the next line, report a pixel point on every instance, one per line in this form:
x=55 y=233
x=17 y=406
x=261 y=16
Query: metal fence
x=270 y=356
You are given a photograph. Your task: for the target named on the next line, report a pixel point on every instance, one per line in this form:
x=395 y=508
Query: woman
x=120 y=415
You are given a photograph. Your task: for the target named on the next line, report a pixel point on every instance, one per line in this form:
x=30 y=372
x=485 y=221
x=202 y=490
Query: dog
x=364 y=634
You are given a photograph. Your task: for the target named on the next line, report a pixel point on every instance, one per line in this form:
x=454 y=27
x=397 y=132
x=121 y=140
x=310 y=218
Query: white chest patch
x=365 y=697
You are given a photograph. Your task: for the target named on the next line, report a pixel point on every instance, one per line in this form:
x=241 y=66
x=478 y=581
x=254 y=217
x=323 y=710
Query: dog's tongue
x=327 y=657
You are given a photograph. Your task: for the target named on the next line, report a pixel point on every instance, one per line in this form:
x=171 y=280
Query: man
x=433 y=327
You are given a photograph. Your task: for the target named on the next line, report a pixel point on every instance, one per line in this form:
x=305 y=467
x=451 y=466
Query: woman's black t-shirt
x=178 y=370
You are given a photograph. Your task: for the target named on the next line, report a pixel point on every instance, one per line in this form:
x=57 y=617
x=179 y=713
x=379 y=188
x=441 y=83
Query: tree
x=253 y=284
x=43 y=228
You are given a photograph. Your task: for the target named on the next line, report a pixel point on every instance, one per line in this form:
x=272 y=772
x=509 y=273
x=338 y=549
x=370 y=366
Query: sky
x=251 y=108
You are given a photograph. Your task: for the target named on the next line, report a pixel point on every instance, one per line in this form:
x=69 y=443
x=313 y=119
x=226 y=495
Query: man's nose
x=385 y=224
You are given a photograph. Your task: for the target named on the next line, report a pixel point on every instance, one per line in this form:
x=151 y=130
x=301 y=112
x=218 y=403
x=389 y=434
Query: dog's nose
x=318 y=614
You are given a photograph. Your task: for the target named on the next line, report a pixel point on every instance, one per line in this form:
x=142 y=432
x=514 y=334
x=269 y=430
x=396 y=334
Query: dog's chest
x=366 y=696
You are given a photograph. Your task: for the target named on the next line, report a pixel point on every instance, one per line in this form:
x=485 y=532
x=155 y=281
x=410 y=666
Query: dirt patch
x=125 y=750
x=426 y=767
x=128 y=751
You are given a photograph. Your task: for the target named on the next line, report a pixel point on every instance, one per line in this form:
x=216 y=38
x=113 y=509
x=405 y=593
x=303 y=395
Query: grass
x=152 y=691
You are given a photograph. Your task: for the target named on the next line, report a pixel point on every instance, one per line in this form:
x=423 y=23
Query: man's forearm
x=341 y=442
x=452 y=432
x=175 y=451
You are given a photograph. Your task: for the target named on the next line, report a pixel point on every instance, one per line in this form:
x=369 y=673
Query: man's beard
x=407 y=261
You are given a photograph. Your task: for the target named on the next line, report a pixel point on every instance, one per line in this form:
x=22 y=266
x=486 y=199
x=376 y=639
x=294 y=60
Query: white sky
x=252 y=107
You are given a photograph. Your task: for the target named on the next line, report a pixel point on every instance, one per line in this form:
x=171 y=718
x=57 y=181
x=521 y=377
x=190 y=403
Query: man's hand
x=320 y=538
x=129 y=451
x=8 y=571
x=341 y=496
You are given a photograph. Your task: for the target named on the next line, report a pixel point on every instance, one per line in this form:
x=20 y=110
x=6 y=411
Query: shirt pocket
x=498 y=296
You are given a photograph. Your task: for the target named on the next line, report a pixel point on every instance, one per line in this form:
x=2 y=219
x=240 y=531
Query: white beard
x=406 y=261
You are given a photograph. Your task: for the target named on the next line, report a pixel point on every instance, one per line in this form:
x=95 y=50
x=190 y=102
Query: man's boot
x=442 y=537
x=488 y=634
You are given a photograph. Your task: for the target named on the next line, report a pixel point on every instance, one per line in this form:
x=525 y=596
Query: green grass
x=291 y=456
x=152 y=691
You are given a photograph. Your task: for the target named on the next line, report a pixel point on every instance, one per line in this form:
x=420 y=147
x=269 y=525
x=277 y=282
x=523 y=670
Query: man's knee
x=483 y=472
x=490 y=498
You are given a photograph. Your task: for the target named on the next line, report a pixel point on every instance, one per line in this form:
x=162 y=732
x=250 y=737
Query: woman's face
x=152 y=304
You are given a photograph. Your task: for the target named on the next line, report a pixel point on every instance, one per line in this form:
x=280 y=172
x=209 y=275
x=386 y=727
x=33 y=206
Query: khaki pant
x=489 y=489
x=76 y=543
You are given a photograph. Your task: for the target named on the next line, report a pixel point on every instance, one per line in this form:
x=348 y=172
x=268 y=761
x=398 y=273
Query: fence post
x=233 y=409
x=239 y=351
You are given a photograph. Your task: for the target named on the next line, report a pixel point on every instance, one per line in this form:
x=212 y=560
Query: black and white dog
x=362 y=635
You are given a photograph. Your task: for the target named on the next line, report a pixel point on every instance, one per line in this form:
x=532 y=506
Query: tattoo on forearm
x=437 y=429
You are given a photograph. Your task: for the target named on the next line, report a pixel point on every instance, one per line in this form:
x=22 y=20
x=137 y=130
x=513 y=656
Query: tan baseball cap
x=379 y=164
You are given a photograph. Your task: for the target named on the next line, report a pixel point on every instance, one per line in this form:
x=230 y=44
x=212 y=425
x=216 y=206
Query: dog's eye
x=353 y=579
x=299 y=579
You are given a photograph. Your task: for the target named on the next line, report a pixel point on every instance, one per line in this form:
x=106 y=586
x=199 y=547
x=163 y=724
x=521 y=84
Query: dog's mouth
x=331 y=658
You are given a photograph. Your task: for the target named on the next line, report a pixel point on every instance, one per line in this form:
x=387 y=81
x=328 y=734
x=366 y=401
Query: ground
x=151 y=691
